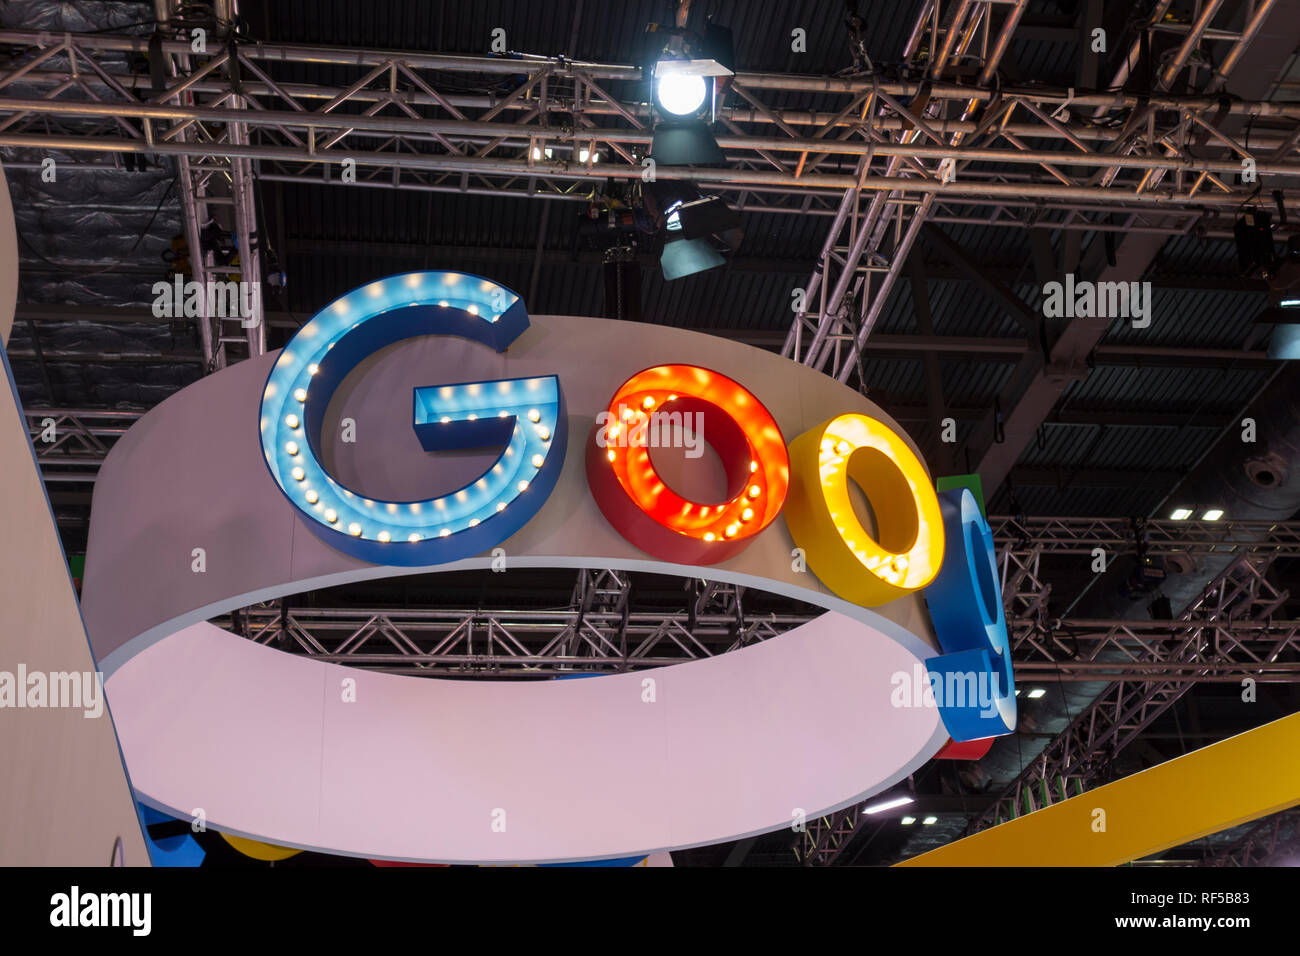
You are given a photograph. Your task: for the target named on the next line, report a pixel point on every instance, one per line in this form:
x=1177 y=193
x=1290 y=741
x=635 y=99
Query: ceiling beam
x=1036 y=385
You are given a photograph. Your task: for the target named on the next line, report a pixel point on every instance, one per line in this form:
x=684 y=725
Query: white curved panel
x=262 y=742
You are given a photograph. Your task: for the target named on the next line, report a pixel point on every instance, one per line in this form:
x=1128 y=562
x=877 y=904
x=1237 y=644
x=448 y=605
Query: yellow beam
x=1222 y=785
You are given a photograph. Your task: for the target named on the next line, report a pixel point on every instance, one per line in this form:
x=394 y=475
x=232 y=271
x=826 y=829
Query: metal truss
x=1163 y=537
x=1261 y=841
x=595 y=633
x=71 y=443
x=216 y=187
x=830 y=330
x=1227 y=634
x=1228 y=628
x=74 y=92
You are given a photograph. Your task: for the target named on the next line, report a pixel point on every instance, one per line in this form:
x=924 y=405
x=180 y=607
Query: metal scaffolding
x=1228 y=630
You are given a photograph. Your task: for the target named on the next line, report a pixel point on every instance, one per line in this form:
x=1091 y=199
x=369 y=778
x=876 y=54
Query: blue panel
x=179 y=850
x=965 y=602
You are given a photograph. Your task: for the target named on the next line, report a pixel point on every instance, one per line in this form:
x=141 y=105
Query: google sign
x=560 y=420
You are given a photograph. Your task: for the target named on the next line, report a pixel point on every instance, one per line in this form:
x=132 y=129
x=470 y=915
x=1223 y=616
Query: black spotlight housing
x=688 y=73
x=693 y=226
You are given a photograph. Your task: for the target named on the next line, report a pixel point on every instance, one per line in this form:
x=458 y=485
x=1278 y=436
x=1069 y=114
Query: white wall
x=64 y=796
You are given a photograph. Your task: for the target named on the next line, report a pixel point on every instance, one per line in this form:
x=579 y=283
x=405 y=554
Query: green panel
x=963 y=481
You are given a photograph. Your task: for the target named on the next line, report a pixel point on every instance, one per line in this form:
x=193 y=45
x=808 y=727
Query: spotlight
x=1036 y=693
x=1180 y=514
x=1214 y=514
x=688 y=72
x=691 y=224
x=710 y=216
x=681 y=94
x=930 y=821
x=684 y=257
x=1254 y=240
x=908 y=821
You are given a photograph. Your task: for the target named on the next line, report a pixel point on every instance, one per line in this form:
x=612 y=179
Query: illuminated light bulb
x=754 y=491
x=331 y=515
x=444 y=532
x=710 y=536
x=672 y=398
x=473 y=522
x=747 y=514
x=501 y=506
x=291 y=447
x=298 y=474
x=534 y=415
x=649 y=402
x=473 y=417
x=385 y=537
x=543 y=433
x=538 y=460
x=445 y=419
x=503 y=414
x=354 y=529
x=731 y=530
x=522 y=486
x=613 y=431
x=312 y=497
x=826 y=445
x=442 y=304
x=300 y=394
x=313 y=368
x=842 y=448
x=610 y=454
x=753 y=467
x=413 y=537
x=472 y=310
x=291 y=421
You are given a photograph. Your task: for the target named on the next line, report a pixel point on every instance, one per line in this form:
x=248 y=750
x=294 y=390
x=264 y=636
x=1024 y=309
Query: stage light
x=685 y=143
x=1036 y=693
x=681 y=94
x=1214 y=514
x=930 y=821
x=684 y=257
x=688 y=74
x=908 y=821
x=710 y=216
x=1180 y=514
x=901 y=801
